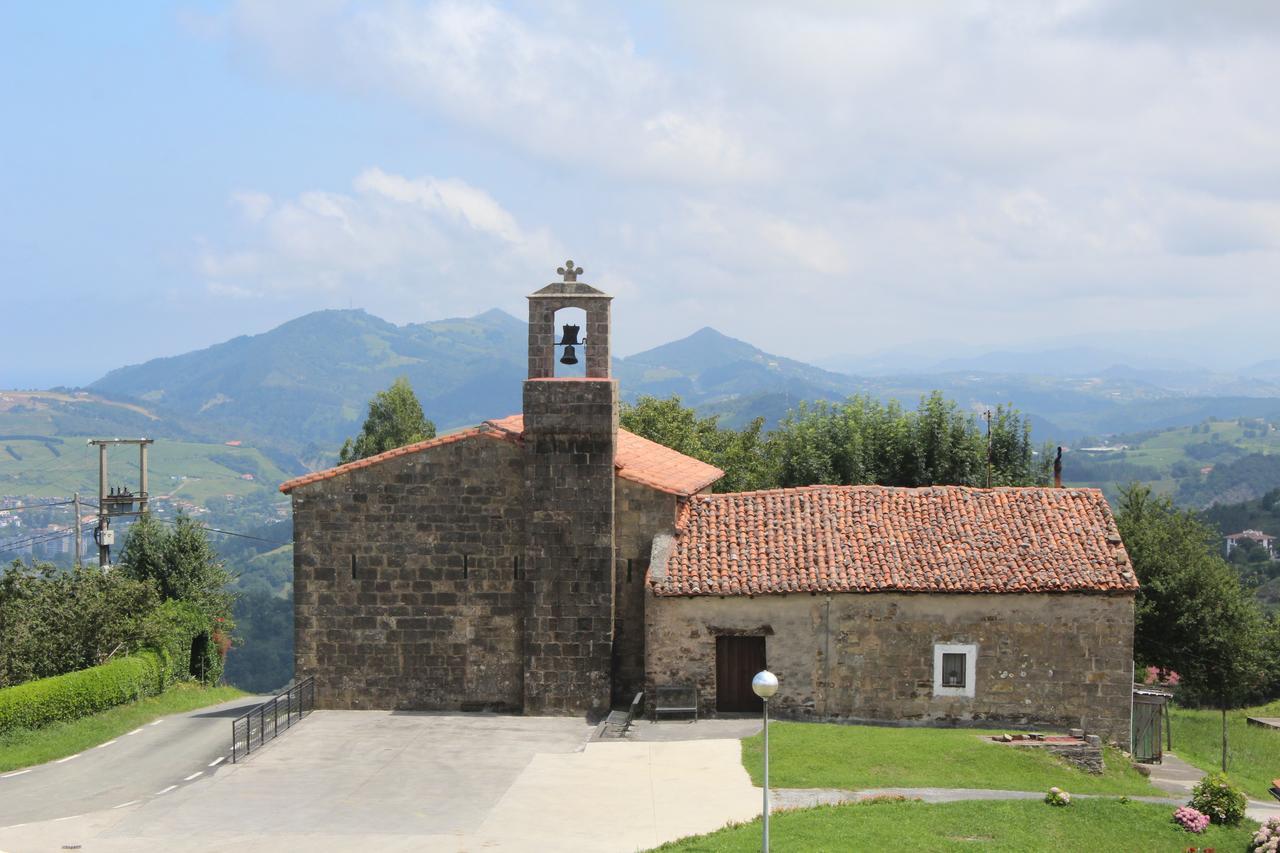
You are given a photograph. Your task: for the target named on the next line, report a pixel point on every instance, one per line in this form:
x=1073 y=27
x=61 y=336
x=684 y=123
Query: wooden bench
x=618 y=722
x=1275 y=788
x=676 y=700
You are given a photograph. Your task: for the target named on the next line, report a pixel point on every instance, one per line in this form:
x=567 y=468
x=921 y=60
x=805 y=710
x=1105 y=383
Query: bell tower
x=571 y=437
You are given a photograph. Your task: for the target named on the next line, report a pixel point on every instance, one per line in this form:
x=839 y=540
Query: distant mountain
x=720 y=374
x=304 y=385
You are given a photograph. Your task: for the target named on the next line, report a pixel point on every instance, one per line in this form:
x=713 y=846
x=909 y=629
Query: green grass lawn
x=25 y=747
x=1253 y=753
x=822 y=755
x=1010 y=825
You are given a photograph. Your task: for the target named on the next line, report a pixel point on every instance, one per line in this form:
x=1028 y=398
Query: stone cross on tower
x=569 y=271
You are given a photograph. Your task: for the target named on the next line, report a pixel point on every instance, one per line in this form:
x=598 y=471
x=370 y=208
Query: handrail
x=262 y=723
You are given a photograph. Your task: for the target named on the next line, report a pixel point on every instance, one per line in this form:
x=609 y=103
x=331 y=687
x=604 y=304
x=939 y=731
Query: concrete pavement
x=132 y=767
x=352 y=780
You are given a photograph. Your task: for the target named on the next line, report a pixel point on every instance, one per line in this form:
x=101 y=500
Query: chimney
x=1057 y=469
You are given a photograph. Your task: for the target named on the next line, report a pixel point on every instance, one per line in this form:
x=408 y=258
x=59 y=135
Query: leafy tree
x=395 y=419
x=739 y=453
x=862 y=440
x=181 y=563
x=54 y=621
x=1192 y=615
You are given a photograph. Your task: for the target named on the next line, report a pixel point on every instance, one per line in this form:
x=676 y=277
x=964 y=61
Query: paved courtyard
x=369 y=780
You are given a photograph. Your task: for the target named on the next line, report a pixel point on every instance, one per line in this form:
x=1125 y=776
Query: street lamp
x=765 y=684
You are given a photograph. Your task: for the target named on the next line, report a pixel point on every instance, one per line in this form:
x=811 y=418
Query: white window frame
x=970 y=652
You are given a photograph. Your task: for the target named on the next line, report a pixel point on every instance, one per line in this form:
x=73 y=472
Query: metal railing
x=265 y=722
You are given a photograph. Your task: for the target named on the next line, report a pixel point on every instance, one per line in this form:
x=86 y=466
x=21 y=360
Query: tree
x=182 y=565
x=739 y=453
x=54 y=621
x=1191 y=614
x=862 y=440
x=395 y=419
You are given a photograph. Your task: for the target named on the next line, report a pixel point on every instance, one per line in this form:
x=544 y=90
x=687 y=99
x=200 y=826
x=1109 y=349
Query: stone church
x=552 y=563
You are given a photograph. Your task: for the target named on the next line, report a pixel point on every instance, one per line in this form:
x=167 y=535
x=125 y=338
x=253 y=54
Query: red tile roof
x=438 y=441
x=646 y=462
x=638 y=459
x=881 y=539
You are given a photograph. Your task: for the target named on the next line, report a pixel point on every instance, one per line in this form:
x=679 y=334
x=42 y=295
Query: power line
x=231 y=533
x=41 y=538
x=34 y=506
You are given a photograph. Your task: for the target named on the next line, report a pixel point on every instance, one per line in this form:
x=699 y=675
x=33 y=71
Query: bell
x=569 y=357
x=570 y=338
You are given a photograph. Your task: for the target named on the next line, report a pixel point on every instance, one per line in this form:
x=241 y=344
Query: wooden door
x=738 y=659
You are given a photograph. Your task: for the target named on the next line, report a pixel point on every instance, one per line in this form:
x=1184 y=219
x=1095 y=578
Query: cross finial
x=569 y=271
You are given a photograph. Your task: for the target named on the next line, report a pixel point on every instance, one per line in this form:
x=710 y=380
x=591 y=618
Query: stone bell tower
x=571 y=437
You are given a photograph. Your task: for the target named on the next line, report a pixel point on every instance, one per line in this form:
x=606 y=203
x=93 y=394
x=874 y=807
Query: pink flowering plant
x=1191 y=819
x=1219 y=799
x=1057 y=797
x=1267 y=838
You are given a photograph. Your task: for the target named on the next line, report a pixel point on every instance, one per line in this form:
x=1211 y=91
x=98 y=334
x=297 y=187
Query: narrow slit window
x=353 y=566
x=466 y=566
x=628 y=570
x=953 y=670
x=515 y=567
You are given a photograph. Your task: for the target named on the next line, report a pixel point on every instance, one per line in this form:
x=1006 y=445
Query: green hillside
x=1209 y=463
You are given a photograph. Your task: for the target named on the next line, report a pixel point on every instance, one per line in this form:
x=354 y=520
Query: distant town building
x=1266 y=541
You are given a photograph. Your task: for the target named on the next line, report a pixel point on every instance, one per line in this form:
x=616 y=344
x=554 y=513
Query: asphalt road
x=151 y=761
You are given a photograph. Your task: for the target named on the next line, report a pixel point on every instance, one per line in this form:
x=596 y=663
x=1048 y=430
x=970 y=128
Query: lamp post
x=765 y=684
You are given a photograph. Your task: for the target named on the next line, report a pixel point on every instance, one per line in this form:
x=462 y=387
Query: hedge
x=78 y=694
x=170 y=632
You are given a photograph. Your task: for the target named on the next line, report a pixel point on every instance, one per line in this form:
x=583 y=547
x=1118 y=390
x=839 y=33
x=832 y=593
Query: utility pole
x=116 y=503
x=100 y=534
x=76 y=527
x=987 y=415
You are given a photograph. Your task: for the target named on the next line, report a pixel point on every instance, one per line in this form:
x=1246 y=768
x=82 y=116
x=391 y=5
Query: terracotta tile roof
x=643 y=461
x=438 y=441
x=880 y=539
x=639 y=460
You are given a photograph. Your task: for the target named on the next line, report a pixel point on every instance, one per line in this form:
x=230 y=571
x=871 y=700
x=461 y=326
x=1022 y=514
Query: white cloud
x=875 y=173
x=402 y=245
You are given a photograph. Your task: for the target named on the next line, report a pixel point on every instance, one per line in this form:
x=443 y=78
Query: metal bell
x=569 y=357
x=570 y=338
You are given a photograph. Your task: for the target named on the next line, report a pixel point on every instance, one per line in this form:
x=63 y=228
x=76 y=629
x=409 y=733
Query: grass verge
x=995 y=826
x=25 y=747
x=823 y=755
x=1253 y=752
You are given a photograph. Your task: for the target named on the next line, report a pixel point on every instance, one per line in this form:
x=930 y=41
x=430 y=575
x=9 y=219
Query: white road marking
x=134 y=732
x=157 y=722
x=217 y=761
x=166 y=790
x=101 y=745
x=68 y=758
x=15 y=826
x=68 y=817
x=194 y=775
x=17 y=773
x=122 y=805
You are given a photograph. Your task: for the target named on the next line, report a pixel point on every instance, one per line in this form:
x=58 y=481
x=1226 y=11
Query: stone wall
x=570 y=447
x=405 y=581
x=641 y=513
x=1046 y=661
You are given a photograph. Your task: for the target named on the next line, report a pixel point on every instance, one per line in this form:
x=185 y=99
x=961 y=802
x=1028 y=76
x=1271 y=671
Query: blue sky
x=820 y=178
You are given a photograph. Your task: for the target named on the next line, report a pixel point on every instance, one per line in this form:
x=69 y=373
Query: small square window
x=953 y=669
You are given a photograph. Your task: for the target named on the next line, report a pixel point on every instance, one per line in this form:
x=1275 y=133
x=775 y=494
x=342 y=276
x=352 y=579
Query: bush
x=1267 y=838
x=1216 y=797
x=77 y=694
x=1190 y=819
x=1057 y=797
